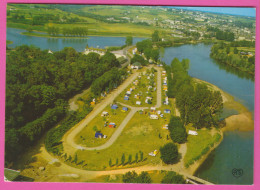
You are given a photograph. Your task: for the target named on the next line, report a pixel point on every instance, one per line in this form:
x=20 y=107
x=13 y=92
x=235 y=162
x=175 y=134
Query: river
x=56 y=44
x=236 y=150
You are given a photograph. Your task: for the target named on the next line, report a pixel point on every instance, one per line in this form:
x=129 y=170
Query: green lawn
x=87 y=136
x=140 y=134
x=141 y=88
x=199 y=145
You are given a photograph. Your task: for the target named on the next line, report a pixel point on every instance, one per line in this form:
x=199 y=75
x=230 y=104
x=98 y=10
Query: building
x=138 y=103
x=104 y=113
x=136 y=65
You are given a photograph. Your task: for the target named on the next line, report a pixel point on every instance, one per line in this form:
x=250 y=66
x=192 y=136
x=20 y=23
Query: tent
x=112 y=125
x=98 y=134
x=167 y=111
x=124 y=109
x=126 y=98
x=114 y=106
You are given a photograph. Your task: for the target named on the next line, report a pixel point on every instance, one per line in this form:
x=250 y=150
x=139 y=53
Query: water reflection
x=234 y=71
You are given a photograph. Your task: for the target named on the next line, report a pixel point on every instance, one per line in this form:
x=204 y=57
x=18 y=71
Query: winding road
x=69 y=137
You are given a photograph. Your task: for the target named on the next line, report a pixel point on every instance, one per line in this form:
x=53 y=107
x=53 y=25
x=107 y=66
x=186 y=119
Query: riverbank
x=243 y=121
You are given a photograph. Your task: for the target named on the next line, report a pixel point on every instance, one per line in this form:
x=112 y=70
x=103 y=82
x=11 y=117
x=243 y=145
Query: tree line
x=221 y=35
x=197 y=104
x=73 y=31
x=230 y=55
x=38 y=85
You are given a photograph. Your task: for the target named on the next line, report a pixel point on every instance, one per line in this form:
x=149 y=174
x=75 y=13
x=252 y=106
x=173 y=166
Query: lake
x=236 y=150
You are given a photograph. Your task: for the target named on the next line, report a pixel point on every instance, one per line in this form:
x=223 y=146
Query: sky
x=225 y=10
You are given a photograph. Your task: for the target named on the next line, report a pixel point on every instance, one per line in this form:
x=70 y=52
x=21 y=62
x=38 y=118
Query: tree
x=173 y=178
x=177 y=130
x=144 y=177
x=95 y=128
x=155 y=36
x=123 y=159
x=155 y=54
x=110 y=162
x=235 y=50
x=141 y=156
x=129 y=159
x=136 y=157
x=130 y=177
x=169 y=153
x=117 y=161
x=75 y=158
x=129 y=40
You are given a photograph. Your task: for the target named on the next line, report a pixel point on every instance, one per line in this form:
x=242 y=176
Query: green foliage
x=54 y=136
x=138 y=58
x=196 y=103
x=155 y=36
x=110 y=162
x=240 y=60
x=144 y=177
x=177 y=130
x=169 y=153
x=141 y=156
x=133 y=177
x=123 y=159
x=145 y=44
x=129 y=40
x=173 y=178
x=136 y=157
x=129 y=159
x=130 y=177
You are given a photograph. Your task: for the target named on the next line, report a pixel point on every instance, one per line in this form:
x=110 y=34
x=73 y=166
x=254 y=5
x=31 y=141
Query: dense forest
x=38 y=85
x=196 y=103
x=232 y=54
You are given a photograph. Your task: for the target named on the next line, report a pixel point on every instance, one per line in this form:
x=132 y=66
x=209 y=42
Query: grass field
x=200 y=144
x=87 y=136
x=140 y=134
x=141 y=89
x=156 y=176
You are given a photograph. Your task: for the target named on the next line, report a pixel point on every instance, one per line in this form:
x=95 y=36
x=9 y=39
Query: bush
x=173 y=178
x=169 y=153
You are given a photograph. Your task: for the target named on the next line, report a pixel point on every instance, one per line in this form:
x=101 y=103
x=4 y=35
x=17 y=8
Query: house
x=104 y=113
x=167 y=111
x=138 y=103
x=50 y=51
x=124 y=109
x=10 y=175
x=136 y=65
x=192 y=132
x=126 y=98
x=111 y=125
x=98 y=134
x=114 y=106
x=154 y=117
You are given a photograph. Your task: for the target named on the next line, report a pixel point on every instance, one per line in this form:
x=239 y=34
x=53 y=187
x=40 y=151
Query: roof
x=11 y=175
x=137 y=64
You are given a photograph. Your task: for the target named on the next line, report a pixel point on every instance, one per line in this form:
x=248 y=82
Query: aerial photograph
x=129 y=94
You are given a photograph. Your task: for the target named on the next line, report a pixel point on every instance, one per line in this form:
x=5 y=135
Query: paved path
x=68 y=139
x=159 y=88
